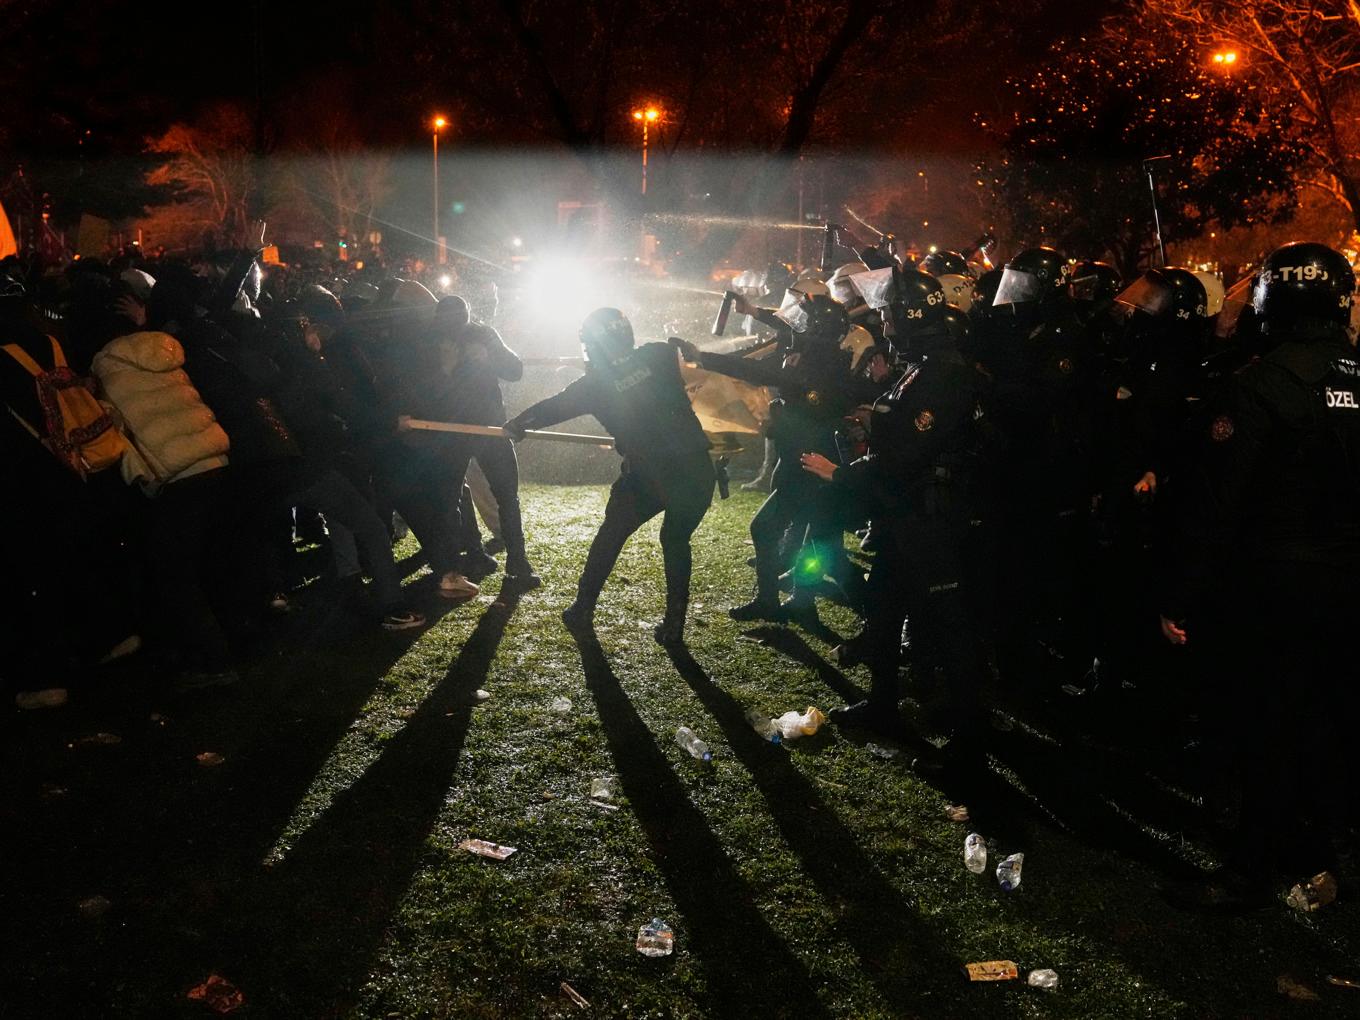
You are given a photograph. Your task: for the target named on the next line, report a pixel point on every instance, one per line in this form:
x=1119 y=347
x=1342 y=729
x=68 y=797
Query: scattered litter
x=219 y=994
x=1003 y=723
x=992 y=970
x=828 y=782
x=793 y=725
x=882 y=752
x=764 y=725
x=482 y=848
x=975 y=853
x=956 y=813
x=575 y=996
x=97 y=740
x=1073 y=691
x=1045 y=979
x=50 y=697
x=51 y=790
x=655 y=938
x=481 y=695
x=1286 y=985
x=602 y=788
x=1318 y=892
x=561 y=705
x=1341 y=982
x=159 y=719
x=1008 y=872
x=95 y=906
x=209 y=758
x=604 y=806
x=697 y=749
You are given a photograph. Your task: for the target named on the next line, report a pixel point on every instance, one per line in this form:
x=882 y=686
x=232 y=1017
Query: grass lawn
x=317 y=866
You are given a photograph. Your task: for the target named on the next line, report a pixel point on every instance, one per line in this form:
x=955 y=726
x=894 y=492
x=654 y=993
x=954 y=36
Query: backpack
x=79 y=430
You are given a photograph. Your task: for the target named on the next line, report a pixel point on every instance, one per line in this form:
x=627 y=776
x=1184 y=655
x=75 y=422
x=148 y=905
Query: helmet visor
x=875 y=286
x=1017 y=287
x=1146 y=296
x=791 y=311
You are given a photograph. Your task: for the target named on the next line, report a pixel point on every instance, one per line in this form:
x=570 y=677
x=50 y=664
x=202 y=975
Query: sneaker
x=521 y=581
x=759 y=609
x=454 y=585
x=477 y=564
x=278 y=603
x=761 y=484
x=579 y=617
x=403 y=619
x=493 y=546
x=669 y=632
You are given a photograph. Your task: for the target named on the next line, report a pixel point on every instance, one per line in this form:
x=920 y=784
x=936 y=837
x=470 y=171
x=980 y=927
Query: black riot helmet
x=1094 y=282
x=1303 y=281
x=814 y=317
x=984 y=293
x=1167 y=295
x=320 y=305
x=958 y=327
x=606 y=336
x=1031 y=276
x=937 y=263
x=776 y=279
x=911 y=302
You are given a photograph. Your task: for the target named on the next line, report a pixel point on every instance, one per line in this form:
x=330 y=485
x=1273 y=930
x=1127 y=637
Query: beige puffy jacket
x=173 y=433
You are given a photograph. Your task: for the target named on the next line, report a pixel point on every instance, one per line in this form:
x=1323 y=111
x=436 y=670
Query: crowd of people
x=1049 y=469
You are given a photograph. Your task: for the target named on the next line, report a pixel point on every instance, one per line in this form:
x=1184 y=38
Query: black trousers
x=496 y=456
x=682 y=491
x=418 y=482
x=920 y=573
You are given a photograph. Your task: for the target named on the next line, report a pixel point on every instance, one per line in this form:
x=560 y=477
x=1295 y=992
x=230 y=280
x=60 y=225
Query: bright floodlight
x=445 y=282
x=439 y=122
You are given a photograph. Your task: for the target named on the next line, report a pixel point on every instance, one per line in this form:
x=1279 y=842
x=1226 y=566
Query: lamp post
x=646 y=118
x=439 y=122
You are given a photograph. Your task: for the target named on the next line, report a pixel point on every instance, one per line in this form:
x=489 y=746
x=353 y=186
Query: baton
x=495 y=430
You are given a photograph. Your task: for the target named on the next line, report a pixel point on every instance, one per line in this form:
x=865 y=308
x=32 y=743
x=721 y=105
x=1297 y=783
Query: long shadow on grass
x=749 y=970
x=171 y=843
x=307 y=933
x=792 y=645
x=901 y=952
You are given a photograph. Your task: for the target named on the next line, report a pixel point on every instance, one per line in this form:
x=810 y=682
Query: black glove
x=515 y=430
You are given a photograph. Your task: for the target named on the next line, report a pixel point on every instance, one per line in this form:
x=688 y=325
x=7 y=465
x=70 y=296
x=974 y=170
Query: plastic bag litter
x=793 y=725
x=219 y=994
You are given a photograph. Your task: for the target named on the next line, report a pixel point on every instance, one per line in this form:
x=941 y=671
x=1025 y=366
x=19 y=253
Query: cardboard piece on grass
x=992 y=970
x=219 y=994
x=482 y=848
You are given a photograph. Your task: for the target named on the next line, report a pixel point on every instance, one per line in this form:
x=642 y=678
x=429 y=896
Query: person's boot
x=520 y=577
x=759 y=608
x=878 y=715
x=670 y=631
x=579 y=616
x=474 y=564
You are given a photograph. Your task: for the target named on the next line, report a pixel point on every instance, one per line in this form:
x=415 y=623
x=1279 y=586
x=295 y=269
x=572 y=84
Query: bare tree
x=209 y=161
x=1303 y=57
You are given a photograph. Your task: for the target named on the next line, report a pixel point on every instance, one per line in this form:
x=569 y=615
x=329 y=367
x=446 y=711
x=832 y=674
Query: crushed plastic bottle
x=602 y=788
x=1008 y=872
x=655 y=938
x=793 y=725
x=1316 y=893
x=975 y=853
x=764 y=725
x=690 y=741
x=1045 y=979
x=561 y=705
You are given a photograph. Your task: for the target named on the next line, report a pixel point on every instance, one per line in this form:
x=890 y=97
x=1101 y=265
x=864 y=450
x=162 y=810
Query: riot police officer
x=1267 y=569
x=638 y=395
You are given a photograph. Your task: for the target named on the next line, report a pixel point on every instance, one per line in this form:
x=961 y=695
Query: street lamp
x=439 y=122
x=645 y=118
x=1225 y=58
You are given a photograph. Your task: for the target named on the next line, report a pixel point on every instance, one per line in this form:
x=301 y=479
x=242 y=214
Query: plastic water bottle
x=561 y=705
x=655 y=938
x=764 y=725
x=687 y=739
x=1045 y=979
x=1008 y=871
x=975 y=854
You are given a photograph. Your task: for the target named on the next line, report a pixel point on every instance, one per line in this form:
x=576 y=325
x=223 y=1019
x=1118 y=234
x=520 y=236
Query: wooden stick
x=495 y=430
